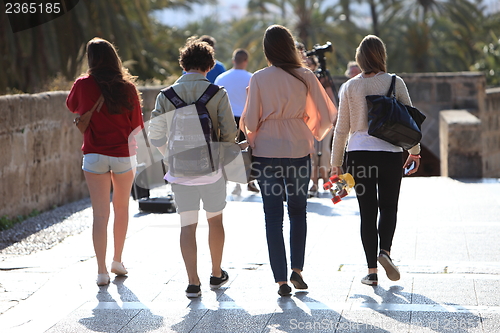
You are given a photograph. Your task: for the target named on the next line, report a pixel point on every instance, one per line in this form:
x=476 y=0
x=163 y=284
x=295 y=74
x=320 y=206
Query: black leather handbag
x=392 y=121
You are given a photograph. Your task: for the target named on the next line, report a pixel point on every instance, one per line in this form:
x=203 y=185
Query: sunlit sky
x=223 y=11
x=227 y=9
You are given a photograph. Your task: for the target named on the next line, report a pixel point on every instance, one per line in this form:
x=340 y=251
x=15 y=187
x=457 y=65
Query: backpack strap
x=208 y=94
x=179 y=103
x=173 y=97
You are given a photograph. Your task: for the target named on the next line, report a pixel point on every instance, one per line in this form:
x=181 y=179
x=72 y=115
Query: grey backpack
x=192 y=146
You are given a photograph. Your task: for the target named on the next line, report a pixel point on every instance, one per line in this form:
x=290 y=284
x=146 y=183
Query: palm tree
x=31 y=57
x=489 y=49
x=248 y=33
x=261 y=7
x=433 y=30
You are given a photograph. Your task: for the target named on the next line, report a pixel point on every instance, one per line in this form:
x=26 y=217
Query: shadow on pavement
x=110 y=320
x=294 y=315
x=439 y=319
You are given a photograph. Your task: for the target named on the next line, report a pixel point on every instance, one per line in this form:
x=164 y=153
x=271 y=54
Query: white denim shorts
x=97 y=163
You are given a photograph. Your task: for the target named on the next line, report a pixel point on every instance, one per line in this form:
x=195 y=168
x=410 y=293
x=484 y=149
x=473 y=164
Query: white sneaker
x=102 y=279
x=237 y=190
x=118 y=268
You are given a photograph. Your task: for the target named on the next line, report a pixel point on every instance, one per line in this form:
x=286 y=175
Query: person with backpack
x=286 y=109
x=189 y=118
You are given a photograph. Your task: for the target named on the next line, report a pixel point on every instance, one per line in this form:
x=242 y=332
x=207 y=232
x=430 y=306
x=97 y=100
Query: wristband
x=415 y=156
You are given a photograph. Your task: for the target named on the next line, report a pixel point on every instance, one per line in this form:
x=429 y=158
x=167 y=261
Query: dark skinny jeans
x=277 y=176
x=378 y=179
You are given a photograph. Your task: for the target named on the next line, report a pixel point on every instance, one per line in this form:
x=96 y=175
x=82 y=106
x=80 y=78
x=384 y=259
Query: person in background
x=286 y=109
x=376 y=165
x=235 y=81
x=196 y=59
x=218 y=67
x=109 y=159
x=352 y=69
x=320 y=159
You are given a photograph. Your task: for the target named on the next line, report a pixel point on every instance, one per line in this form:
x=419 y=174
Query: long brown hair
x=280 y=50
x=115 y=82
x=371 y=55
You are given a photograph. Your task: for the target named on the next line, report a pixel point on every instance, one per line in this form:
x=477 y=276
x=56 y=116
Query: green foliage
x=33 y=57
x=489 y=62
x=8 y=222
x=421 y=36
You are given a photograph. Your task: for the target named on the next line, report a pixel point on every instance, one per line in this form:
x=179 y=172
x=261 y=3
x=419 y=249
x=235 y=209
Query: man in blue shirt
x=219 y=67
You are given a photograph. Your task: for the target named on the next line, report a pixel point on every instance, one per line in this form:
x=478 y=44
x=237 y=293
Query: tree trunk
x=373 y=11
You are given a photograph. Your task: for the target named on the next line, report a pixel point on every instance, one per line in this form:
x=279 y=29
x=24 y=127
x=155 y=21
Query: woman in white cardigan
x=376 y=165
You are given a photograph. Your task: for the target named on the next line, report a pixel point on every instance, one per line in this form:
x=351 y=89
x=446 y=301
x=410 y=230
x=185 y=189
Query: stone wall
x=467 y=140
x=40 y=163
x=461 y=144
x=433 y=92
x=40 y=149
x=491 y=134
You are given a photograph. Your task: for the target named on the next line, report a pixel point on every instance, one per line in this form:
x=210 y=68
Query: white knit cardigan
x=353 y=110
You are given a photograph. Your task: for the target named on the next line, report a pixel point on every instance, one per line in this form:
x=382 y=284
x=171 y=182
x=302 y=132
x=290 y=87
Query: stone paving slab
x=445 y=245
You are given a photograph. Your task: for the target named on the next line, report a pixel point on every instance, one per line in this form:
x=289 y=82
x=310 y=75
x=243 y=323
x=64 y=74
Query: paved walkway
x=446 y=246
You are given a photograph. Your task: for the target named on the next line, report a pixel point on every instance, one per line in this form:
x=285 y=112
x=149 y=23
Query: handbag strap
x=238 y=135
x=392 y=88
x=98 y=104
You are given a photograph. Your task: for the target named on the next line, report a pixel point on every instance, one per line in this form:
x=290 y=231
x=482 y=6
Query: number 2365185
x=32 y=8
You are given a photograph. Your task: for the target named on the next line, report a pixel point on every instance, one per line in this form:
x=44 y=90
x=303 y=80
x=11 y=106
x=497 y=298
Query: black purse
x=392 y=121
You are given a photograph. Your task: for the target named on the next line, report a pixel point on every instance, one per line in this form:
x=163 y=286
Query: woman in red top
x=109 y=148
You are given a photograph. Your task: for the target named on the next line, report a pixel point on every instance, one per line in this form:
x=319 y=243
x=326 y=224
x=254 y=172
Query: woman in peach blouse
x=285 y=110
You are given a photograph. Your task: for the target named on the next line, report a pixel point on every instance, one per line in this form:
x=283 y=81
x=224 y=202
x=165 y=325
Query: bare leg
x=314 y=178
x=324 y=173
x=99 y=188
x=216 y=238
x=189 y=222
x=122 y=186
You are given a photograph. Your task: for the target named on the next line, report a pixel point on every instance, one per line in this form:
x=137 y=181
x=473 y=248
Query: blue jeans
x=278 y=177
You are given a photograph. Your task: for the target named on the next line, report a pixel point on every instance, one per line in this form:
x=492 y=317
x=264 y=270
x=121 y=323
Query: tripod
x=326 y=80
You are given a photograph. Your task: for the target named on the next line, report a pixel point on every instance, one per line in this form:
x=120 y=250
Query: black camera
x=320 y=50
